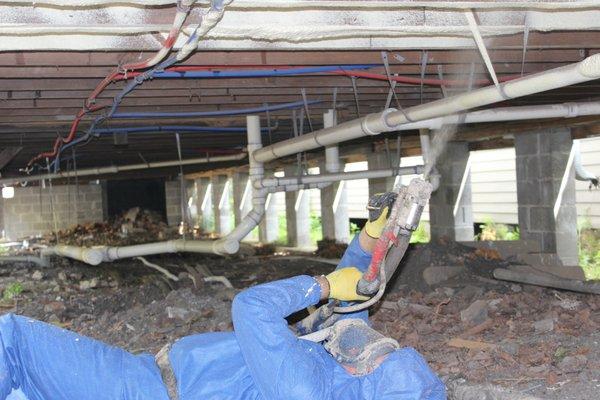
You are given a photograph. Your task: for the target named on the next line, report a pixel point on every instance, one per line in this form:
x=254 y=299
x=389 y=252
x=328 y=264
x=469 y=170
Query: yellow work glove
x=342 y=284
x=379 y=208
x=374 y=228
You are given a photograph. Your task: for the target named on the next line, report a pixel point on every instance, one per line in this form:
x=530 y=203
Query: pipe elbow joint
x=374 y=124
x=225 y=247
x=590 y=67
x=572 y=110
x=92 y=256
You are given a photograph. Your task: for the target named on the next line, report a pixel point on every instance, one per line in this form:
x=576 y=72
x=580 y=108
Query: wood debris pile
x=329 y=248
x=134 y=226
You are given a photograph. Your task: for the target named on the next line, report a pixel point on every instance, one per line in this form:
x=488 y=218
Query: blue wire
x=151 y=128
x=240 y=111
x=159 y=72
x=258 y=73
x=173 y=128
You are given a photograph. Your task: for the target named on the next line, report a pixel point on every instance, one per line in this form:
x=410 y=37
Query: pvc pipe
x=335 y=177
x=240 y=111
x=372 y=124
x=332 y=153
x=230 y=243
x=391 y=119
x=425 y=145
x=583 y=71
x=582 y=174
x=171 y=246
x=113 y=169
x=96 y=255
x=39 y=261
x=92 y=256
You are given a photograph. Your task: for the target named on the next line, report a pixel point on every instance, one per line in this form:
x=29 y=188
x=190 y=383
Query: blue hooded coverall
x=261 y=360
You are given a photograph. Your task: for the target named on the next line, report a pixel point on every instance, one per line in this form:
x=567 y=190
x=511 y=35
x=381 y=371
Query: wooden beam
x=8 y=154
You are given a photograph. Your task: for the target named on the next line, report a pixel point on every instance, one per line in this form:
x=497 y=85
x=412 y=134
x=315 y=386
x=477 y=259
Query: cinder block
x=524 y=221
x=549 y=242
x=541 y=218
x=544 y=142
x=40 y=226
x=526 y=144
x=560 y=140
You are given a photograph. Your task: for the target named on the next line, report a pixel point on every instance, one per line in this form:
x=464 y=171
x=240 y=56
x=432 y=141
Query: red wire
x=117 y=76
x=418 y=81
x=67 y=139
x=89 y=108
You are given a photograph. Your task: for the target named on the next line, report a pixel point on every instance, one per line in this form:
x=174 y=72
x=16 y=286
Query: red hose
x=378 y=257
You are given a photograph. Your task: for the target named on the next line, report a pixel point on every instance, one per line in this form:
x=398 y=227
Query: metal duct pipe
x=113 y=169
x=391 y=119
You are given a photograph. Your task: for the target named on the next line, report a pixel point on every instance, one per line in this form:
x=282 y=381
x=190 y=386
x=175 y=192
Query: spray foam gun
x=392 y=244
x=390 y=248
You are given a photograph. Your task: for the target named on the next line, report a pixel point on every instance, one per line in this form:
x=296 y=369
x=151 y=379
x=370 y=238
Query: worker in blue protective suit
x=262 y=359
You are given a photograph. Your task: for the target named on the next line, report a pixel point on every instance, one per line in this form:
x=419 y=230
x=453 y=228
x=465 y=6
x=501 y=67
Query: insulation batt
x=261 y=360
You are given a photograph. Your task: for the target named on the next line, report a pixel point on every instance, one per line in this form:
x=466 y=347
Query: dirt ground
x=535 y=341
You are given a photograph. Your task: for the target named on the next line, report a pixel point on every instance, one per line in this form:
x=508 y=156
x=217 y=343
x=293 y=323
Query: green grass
x=589 y=249
x=316 y=231
x=316 y=228
x=12 y=291
x=282 y=229
x=491 y=230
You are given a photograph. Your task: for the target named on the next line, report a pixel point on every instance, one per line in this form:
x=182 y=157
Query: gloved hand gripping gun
x=392 y=244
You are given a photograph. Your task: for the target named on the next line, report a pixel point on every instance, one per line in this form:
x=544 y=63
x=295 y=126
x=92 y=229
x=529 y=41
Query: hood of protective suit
x=354 y=344
x=403 y=375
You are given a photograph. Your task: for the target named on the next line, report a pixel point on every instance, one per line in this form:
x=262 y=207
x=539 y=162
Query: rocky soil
x=535 y=341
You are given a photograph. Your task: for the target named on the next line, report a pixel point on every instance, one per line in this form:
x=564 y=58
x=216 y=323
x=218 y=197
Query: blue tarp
x=261 y=360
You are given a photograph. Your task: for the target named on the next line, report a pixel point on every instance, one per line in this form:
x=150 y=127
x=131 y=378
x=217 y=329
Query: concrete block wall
x=34 y=211
x=454 y=182
x=541 y=163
